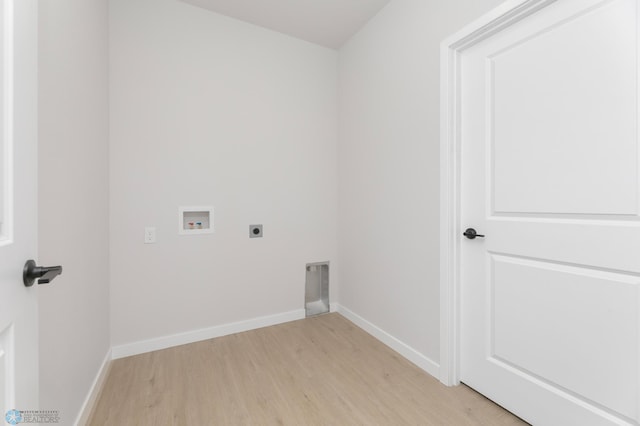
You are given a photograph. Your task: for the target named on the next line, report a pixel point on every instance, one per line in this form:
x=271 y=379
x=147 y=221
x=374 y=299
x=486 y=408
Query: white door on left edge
x=18 y=205
x=551 y=177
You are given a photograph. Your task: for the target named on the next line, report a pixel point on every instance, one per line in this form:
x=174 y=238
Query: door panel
x=18 y=234
x=550 y=93
x=3 y=127
x=6 y=371
x=548 y=315
x=550 y=299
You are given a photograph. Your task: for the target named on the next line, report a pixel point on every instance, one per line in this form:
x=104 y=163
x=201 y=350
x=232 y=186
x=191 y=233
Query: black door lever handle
x=471 y=234
x=44 y=274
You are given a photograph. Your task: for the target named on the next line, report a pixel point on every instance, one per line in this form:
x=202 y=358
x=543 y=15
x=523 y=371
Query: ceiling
x=328 y=23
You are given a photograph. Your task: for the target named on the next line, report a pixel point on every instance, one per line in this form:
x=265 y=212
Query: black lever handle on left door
x=471 y=234
x=44 y=274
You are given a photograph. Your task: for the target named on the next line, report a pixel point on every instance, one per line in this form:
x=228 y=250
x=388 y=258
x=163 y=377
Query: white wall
x=73 y=200
x=206 y=110
x=389 y=167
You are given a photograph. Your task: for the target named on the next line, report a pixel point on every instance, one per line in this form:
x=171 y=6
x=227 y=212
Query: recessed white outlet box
x=195 y=220
x=149 y=235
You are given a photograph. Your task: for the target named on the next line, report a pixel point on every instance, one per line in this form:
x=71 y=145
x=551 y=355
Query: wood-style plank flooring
x=317 y=371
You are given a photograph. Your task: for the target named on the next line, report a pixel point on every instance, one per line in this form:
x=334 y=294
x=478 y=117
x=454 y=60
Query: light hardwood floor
x=317 y=371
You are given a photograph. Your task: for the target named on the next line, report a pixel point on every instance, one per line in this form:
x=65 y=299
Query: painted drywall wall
x=388 y=155
x=210 y=111
x=73 y=200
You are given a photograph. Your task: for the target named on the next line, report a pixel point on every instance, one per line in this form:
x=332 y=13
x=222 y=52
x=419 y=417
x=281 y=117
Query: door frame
x=451 y=49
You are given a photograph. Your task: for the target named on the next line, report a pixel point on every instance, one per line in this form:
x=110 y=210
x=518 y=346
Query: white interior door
x=550 y=298
x=18 y=193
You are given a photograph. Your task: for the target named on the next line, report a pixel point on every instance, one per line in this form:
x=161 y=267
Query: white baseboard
x=164 y=342
x=428 y=365
x=94 y=391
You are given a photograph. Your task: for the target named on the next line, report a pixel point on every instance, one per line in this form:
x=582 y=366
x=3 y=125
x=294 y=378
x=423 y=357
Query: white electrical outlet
x=149 y=235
